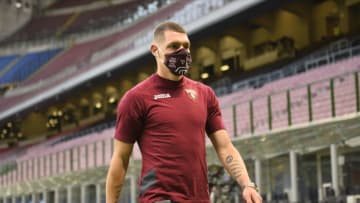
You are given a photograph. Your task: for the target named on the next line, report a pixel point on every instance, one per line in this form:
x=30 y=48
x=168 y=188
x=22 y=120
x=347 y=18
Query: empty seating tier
x=5 y=61
x=27 y=65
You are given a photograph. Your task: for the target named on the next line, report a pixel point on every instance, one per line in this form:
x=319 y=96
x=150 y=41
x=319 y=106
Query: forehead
x=171 y=36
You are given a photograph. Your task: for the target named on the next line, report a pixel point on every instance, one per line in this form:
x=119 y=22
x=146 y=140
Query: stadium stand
x=78 y=150
x=69 y=4
x=43 y=28
x=80 y=56
x=335 y=51
x=27 y=65
x=303 y=104
x=104 y=17
x=39 y=28
x=5 y=61
x=320 y=95
x=343 y=87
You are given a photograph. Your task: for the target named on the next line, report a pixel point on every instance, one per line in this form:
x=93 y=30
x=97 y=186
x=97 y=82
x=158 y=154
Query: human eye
x=187 y=46
x=174 y=46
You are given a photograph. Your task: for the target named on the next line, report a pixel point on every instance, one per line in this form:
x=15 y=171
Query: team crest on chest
x=191 y=93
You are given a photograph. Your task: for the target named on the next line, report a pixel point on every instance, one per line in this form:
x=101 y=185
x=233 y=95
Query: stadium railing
x=336 y=51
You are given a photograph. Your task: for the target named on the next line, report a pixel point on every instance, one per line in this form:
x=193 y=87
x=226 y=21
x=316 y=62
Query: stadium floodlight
x=98 y=105
x=112 y=100
x=224 y=68
x=204 y=75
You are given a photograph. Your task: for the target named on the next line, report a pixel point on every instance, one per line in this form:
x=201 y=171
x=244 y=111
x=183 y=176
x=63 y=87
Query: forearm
x=114 y=182
x=234 y=164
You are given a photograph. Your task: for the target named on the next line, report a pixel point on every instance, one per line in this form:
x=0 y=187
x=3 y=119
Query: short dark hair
x=161 y=28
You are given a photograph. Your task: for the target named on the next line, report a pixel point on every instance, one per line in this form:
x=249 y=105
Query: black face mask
x=178 y=62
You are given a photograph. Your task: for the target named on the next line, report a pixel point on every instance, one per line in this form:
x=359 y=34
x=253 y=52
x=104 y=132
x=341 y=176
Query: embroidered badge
x=191 y=93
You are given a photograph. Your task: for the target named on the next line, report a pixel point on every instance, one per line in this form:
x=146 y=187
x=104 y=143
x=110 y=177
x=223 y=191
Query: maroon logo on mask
x=178 y=62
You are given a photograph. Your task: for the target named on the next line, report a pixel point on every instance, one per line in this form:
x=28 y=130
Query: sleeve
x=214 y=120
x=130 y=119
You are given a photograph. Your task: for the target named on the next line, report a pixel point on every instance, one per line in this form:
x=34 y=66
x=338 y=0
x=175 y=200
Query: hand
x=250 y=195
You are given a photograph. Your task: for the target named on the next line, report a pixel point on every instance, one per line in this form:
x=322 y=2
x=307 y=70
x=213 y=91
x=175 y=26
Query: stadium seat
x=5 y=61
x=27 y=65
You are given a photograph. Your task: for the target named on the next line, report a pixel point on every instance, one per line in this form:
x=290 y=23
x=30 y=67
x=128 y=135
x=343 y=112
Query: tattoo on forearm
x=117 y=193
x=234 y=167
x=229 y=159
x=118 y=190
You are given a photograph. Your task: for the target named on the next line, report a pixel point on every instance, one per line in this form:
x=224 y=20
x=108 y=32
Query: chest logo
x=162 y=96
x=191 y=93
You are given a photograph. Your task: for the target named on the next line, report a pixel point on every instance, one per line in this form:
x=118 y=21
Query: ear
x=154 y=50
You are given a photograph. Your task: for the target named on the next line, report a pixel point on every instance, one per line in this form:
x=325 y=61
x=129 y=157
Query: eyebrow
x=185 y=44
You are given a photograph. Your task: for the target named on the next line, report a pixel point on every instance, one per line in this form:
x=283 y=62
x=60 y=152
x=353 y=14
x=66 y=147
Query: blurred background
x=286 y=73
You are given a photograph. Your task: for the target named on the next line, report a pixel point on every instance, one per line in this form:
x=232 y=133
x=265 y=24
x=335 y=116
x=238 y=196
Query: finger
x=256 y=198
x=247 y=198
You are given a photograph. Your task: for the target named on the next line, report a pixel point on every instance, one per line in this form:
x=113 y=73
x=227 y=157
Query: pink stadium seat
x=51 y=160
x=227 y=114
x=345 y=101
x=36 y=167
x=75 y=158
x=83 y=157
x=279 y=111
x=260 y=115
x=67 y=160
x=41 y=166
x=299 y=106
x=13 y=176
x=91 y=155
x=108 y=150
x=243 y=118
x=47 y=165
x=321 y=100
x=29 y=170
x=99 y=153
x=321 y=103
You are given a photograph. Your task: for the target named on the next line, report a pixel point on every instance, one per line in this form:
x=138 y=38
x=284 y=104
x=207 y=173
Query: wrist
x=250 y=185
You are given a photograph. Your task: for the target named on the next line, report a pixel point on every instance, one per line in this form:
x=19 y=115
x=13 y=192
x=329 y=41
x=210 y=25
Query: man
x=168 y=115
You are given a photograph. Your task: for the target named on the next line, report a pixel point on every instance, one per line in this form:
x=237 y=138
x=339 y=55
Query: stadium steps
x=67 y=24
